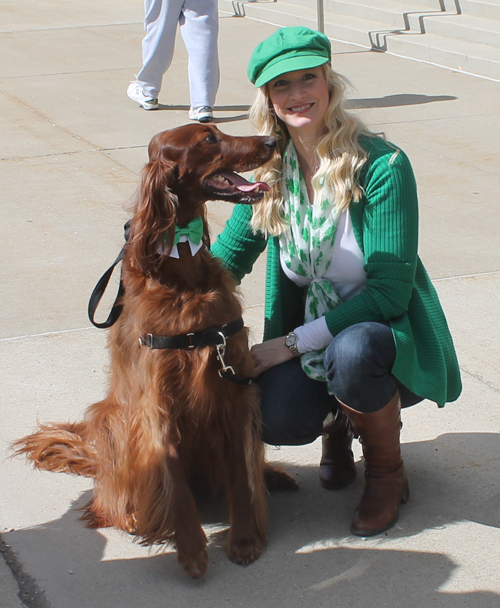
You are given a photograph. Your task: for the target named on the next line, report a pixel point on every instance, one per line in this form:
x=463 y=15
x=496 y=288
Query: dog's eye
x=211 y=138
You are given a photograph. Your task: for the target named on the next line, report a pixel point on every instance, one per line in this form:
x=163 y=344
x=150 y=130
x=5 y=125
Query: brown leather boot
x=337 y=469
x=386 y=483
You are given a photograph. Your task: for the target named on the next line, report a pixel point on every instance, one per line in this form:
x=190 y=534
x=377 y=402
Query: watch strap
x=291 y=344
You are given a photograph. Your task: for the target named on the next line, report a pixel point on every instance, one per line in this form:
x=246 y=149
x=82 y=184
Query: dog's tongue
x=242 y=184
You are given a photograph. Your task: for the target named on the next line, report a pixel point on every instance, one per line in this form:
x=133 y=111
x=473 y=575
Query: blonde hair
x=340 y=154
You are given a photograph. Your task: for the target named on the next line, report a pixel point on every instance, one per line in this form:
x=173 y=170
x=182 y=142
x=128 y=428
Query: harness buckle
x=225 y=370
x=221 y=346
x=146 y=340
x=190 y=338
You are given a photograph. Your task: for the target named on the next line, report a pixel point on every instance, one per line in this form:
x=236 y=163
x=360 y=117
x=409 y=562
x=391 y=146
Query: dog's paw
x=94 y=519
x=192 y=552
x=194 y=565
x=244 y=551
x=277 y=479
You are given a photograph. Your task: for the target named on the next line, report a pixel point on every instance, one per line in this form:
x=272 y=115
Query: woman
x=353 y=326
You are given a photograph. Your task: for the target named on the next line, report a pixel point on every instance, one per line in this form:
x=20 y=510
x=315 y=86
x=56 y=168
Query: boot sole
x=368 y=533
x=337 y=486
x=358 y=532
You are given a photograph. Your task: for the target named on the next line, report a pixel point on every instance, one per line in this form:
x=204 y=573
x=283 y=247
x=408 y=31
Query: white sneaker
x=204 y=114
x=139 y=95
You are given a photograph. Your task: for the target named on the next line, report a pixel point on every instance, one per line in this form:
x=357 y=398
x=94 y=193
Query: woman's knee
x=358 y=366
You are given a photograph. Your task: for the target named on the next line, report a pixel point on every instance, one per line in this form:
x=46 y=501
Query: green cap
x=288 y=49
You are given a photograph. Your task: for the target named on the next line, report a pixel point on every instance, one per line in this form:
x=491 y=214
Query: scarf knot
x=307 y=248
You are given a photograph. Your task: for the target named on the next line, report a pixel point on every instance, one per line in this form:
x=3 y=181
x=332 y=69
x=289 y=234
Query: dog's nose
x=271 y=142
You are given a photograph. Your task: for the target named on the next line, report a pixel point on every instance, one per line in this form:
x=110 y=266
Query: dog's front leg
x=190 y=538
x=247 y=502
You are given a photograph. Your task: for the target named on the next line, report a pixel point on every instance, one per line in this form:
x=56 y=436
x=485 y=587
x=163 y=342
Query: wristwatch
x=291 y=343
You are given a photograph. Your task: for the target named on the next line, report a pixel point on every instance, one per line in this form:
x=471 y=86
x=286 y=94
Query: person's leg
x=161 y=19
x=337 y=468
x=200 y=29
x=294 y=408
x=358 y=363
x=293 y=405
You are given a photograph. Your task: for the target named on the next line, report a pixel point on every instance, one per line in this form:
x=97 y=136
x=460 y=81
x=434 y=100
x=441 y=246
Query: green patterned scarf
x=306 y=249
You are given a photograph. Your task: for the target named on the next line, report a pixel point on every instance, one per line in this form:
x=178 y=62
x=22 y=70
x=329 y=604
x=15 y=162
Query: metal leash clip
x=221 y=351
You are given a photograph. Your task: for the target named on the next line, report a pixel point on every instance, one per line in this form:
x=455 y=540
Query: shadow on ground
x=391 y=101
x=453 y=478
x=217 y=109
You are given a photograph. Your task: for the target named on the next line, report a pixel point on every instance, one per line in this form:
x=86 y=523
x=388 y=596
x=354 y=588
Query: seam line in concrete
x=467 y=276
x=71 y=72
x=69 y=27
x=64 y=331
x=425 y=120
x=480 y=379
x=93 y=147
x=48 y=333
x=7 y=158
x=30 y=594
x=43 y=117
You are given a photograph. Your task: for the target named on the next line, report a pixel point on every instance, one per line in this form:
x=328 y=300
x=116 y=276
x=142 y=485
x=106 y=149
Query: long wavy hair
x=340 y=154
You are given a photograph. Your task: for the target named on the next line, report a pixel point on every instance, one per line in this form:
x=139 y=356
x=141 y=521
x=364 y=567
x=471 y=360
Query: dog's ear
x=152 y=228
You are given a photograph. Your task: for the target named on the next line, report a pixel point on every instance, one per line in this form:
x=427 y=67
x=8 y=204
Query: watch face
x=291 y=340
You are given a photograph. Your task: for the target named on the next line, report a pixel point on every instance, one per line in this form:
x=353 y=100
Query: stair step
x=460 y=27
x=389 y=12
x=454 y=41
x=429 y=4
x=285 y=14
x=478 y=59
x=487 y=9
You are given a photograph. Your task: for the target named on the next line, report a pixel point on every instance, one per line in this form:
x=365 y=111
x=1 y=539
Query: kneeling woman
x=354 y=329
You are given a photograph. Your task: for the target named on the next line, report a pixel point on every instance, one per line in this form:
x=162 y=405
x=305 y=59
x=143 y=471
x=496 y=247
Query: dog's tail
x=60 y=448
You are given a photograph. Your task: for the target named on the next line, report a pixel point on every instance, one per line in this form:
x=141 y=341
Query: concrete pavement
x=72 y=145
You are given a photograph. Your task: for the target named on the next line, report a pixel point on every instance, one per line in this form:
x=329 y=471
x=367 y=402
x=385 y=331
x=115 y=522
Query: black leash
x=100 y=288
x=211 y=336
x=98 y=292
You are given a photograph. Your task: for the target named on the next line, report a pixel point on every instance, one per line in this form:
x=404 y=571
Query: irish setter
x=169 y=418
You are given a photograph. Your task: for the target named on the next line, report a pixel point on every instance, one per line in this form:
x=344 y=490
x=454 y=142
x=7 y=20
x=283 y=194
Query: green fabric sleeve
x=238 y=246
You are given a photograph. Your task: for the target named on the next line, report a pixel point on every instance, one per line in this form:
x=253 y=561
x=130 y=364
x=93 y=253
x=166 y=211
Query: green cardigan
x=398 y=289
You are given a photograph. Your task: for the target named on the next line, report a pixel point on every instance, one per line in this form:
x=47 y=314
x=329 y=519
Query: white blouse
x=347 y=275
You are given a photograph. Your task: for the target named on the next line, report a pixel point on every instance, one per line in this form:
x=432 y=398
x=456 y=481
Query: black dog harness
x=213 y=336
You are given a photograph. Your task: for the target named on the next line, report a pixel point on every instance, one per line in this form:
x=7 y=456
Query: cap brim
x=289 y=64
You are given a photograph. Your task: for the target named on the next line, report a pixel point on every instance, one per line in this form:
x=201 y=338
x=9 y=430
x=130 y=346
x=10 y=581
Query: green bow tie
x=194 y=231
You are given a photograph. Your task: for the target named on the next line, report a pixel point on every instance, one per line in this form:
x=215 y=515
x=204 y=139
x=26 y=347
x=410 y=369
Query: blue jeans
x=358 y=364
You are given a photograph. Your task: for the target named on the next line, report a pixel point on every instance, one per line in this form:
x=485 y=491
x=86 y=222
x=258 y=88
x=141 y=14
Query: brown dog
x=169 y=417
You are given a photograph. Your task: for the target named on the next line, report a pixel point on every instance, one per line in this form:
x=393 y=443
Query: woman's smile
x=300 y=99
x=301 y=109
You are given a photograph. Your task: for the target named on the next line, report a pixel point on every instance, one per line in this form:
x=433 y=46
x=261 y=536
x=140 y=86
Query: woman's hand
x=270 y=353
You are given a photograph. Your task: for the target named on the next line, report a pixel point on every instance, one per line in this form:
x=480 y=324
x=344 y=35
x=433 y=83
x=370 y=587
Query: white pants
x=199 y=25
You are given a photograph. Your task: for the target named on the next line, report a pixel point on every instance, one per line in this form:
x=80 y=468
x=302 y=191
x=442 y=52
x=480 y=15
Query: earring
x=277 y=127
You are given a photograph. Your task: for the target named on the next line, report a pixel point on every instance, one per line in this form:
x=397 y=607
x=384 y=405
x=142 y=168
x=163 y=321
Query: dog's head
x=204 y=162
x=188 y=166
